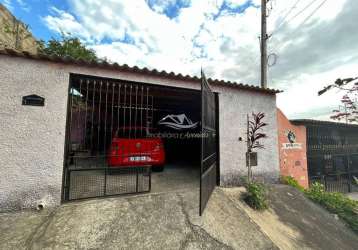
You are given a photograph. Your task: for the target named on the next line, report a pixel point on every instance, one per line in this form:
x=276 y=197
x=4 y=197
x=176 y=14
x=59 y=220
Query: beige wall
x=32 y=138
x=12 y=30
x=234 y=107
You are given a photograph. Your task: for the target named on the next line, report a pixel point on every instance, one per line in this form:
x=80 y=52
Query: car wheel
x=158 y=168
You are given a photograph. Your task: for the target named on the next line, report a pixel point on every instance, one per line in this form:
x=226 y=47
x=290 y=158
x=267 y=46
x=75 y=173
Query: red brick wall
x=292 y=155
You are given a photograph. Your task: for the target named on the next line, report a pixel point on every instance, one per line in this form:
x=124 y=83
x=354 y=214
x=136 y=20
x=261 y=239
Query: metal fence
x=332 y=155
x=97 y=182
x=342 y=183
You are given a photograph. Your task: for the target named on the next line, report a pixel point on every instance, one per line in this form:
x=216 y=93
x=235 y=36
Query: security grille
x=208 y=144
x=332 y=156
x=99 y=111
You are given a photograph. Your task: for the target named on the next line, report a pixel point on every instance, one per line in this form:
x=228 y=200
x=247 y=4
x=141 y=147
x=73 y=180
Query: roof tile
x=125 y=67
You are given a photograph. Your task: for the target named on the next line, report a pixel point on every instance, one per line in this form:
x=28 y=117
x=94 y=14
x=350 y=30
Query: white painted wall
x=234 y=105
x=32 y=138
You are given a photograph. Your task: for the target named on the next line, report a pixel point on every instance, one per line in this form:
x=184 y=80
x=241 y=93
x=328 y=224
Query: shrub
x=255 y=196
x=288 y=180
x=316 y=191
x=337 y=203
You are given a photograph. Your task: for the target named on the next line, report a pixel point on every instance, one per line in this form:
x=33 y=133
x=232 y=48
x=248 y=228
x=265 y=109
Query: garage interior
x=101 y=109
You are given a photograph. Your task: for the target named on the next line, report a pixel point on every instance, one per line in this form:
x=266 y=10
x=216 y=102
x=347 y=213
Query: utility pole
x=263 y=44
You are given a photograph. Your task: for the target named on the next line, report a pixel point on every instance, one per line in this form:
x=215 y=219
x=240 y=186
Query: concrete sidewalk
x=353 y=196
x=152 y=221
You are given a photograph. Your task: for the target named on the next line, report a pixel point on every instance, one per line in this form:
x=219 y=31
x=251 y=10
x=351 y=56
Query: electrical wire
x=306 y=19
x=303 y=10
x=297 y=14
x=287 y=14
x=302 y=23
x=313 y=12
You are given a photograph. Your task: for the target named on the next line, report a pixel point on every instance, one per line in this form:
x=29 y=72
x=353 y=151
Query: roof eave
x=135 y=69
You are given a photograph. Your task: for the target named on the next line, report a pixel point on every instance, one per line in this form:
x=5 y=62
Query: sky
x=311 y=43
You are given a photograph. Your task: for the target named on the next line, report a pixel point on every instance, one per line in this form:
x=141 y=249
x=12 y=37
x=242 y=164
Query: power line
x=287 y=14
x=299 y=13
x=313 y=12
x=283 y=10
x=304 y=9
x=306 y=19
x=302 y=23
x=310 y=15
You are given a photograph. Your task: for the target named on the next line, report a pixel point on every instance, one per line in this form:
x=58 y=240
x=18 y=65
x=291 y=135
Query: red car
x=140 y=151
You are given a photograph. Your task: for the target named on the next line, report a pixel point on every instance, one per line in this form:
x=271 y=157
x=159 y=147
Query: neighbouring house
x=319 y=151
x=61 y=119
x=332 y=153
x=14 y=34
x=292 y=149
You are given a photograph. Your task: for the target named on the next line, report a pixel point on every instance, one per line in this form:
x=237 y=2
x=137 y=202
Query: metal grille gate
x=100 y=109
x=332 y=156
x=208 y=144
x=336 y=172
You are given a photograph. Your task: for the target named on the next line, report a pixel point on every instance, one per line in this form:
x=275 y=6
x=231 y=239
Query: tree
x=348 y=110
x=67 y=46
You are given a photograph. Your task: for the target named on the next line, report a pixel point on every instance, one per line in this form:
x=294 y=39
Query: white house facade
x=33 y=138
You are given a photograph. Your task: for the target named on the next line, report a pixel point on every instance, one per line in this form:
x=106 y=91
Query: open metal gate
x=208 y=168
x=99 y=110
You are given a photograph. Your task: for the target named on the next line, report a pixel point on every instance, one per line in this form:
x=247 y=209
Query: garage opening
x=128 y=137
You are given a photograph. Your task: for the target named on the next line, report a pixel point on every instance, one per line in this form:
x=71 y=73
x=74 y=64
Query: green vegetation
x=255 y=196
x=337 y=203
x=288 y=180
x=67 y=46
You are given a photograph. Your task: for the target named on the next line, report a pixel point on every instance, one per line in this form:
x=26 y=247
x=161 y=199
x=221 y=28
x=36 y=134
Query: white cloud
x=235 y=3
x=298 y=99
x=65 y=22
x=23 y=5
x=8 y=4
x=161 y=5
x=157 y=38
x=226 y=45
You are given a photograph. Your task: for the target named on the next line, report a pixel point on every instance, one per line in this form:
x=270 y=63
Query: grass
x=288 y=180
x=337 y=203
x=255 y=196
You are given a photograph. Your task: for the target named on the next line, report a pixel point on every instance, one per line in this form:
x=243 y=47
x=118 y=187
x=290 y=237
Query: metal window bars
x=100 y=110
